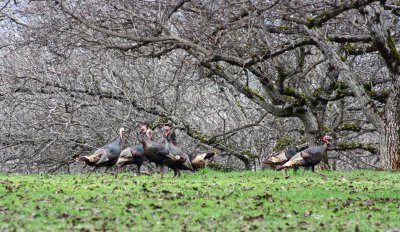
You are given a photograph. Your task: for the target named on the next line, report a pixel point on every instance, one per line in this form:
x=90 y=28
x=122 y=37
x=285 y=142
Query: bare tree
x=239 y=77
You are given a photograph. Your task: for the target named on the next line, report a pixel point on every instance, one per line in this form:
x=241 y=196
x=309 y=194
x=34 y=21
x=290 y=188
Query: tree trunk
x=378 y=24
x=310 y=127
x=313 y=135
x=246 y=161
x=390 y=141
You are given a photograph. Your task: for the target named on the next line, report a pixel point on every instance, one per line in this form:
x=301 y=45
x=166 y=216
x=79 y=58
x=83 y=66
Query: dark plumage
x=132 y=155
x=155 y=152
x=170 y=137
x=183 y=161
x=280 y=157
x=197 y=161
x=106 y=156
x=309 y=157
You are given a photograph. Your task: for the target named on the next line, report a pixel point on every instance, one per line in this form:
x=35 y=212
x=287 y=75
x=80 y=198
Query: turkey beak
x=327 y=139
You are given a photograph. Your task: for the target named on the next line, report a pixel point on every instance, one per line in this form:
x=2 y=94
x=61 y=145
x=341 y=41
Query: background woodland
x=242 y=78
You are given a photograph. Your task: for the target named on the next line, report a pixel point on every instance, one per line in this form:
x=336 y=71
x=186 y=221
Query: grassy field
x=204 y=201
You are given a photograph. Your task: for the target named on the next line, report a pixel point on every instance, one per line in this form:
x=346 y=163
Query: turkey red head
x=169 y=136
x=149 y=133
x=121 y=135
x=146 y=131
x=143 y=129
x=121 y=132
x=327 y=139
x=167 y=130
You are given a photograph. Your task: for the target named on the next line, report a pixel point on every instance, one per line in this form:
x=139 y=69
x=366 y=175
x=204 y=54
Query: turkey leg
x=119 y=169
x=285 y=174
x=175 y=173
x=320 y=174
x=313 y=170
x=160 y=169
x=115 y=174
x=92 y=171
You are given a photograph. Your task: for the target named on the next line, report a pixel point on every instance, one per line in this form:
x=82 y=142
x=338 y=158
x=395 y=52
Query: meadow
x=204 y=201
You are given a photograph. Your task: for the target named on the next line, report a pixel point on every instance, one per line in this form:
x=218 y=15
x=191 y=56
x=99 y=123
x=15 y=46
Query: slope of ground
x=203 y=201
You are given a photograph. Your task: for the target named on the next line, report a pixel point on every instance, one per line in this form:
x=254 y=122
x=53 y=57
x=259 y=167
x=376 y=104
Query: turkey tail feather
x=268 y=162
x=280 y=168
x=175 y=157
x=209 y=155
x=91 y=159
x=82 y=158
x=188 y=164
x=297 y=161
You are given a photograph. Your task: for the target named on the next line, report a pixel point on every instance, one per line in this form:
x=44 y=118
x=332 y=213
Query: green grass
x=203 y=201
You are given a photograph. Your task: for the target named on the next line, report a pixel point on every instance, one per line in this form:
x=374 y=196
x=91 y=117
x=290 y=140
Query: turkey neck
x=168 y=139
x=121 y=140
x=167 y=143
x=145 y=141
x=325 y=147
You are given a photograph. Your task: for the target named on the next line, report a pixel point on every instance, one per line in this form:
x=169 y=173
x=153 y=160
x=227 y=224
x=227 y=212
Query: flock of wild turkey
x=168 y=154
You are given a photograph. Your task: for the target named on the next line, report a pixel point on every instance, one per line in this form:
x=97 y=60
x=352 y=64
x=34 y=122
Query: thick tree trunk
x=378 y=24
x=390 y=140
x=246 y=161
x=388 y=126
x=313 y=135
x=310 y=128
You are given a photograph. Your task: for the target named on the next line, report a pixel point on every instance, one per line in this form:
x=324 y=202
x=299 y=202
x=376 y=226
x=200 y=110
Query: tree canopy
x=244 y=78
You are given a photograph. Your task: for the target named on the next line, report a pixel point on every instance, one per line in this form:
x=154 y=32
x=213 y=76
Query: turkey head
x=327 y=139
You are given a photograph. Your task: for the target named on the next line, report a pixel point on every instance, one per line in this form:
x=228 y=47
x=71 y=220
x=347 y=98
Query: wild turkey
x=200 y=161
x=309 y=157
x=155 y=152
x=107 y=156
x=279 y=158
x=133 y=155
x=197 y=161
x=183 y=163
x=170 y=137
